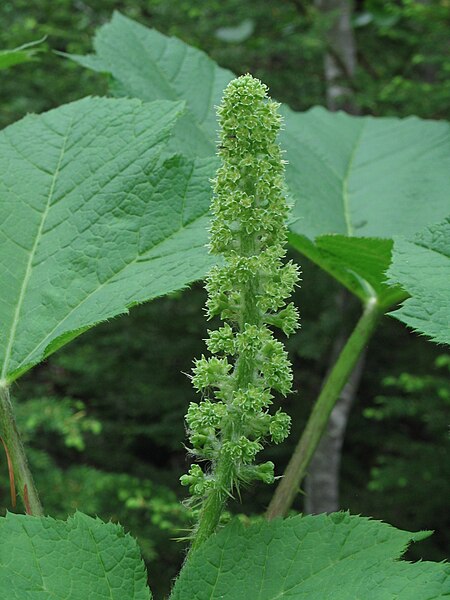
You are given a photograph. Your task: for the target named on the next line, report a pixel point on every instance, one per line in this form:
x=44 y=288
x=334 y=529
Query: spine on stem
x=228 y=427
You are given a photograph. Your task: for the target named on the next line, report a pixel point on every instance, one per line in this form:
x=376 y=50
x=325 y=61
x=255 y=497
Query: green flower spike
x=227 y=428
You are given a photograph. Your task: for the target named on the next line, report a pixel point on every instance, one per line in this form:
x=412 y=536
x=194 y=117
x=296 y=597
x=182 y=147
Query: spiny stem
x=213 y=506
x=296 y=470
x=11 y=438
x=245 y=372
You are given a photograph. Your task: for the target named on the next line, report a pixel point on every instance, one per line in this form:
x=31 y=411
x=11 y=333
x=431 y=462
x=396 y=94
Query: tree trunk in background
x=340 y=57
x=322 y=482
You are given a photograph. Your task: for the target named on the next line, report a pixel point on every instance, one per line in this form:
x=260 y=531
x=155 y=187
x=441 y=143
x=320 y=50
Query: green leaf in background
x=16 y=56
x=151 y=66
x=358 y=263
x=334 y=556
x=363 y=178
x=421 y=265
x=357 y=177
x=93 y=219
x=366 y=176
x=78 y=559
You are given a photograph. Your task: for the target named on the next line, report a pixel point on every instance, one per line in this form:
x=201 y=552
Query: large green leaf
x=148 y=65
x=78 y=559
x=363 y=177
x=351 y=176
x=422 y=266
x=93 y=219
x=366 y=176
x=310 y=558
x=358 y=263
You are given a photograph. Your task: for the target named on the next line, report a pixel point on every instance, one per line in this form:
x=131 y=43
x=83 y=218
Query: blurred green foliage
x=16 y=56
x=402 y=49
x=112 y=444
x=406 y=436
x=53 y=414
x=404 y=58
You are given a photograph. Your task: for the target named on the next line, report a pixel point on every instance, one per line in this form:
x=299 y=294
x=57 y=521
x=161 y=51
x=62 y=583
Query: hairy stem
x=11 y=438
x=244 y=374
x=214 y=505
x=296 y=470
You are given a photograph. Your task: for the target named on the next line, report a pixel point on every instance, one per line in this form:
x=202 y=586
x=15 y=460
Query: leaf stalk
x=16 y=452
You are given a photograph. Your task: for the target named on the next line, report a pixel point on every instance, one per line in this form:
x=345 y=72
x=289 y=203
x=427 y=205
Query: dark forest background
x=103 y=418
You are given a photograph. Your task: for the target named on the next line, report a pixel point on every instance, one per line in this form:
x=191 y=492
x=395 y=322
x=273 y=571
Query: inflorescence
x=228 y=426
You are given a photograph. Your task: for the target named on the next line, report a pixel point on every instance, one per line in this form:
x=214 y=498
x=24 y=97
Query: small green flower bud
x=205 y=415
x=198 y=440
x=210 y=372
x=287 y=319
x=276 y=367
x=243 y=450
x=279 y=427
x=198 y=483
x=221 y=340
x=253 y=399
x=265 y=472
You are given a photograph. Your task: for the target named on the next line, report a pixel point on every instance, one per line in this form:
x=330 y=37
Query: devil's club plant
x=355 y=184
x=159 y=247
x=248 y=292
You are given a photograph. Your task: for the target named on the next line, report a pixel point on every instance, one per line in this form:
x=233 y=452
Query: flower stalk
x=228 y=427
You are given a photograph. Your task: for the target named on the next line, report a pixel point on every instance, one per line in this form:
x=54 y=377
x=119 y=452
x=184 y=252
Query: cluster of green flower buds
x=249 y=291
